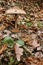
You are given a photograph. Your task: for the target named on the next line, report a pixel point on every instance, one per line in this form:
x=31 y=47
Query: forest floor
x=24 y=45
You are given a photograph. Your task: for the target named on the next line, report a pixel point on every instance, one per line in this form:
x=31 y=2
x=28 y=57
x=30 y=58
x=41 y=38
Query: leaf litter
x=24 y=45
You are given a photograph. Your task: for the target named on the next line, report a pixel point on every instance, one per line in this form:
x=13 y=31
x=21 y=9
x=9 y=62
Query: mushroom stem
x=16 y=20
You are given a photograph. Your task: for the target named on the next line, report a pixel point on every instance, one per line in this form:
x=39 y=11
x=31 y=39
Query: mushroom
x=15 y=11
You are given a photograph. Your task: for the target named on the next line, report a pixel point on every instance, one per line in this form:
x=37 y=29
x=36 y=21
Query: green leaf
x=8 y=40
x=11 y=60
x=29 y=24
x=40 y=24
x=21 y=42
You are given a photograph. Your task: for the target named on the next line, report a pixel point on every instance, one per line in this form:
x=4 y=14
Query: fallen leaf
x=15 y=30
x=35 y=43
x=3 y=48
x=18 y=51
x=2 y=28
x=33 y=61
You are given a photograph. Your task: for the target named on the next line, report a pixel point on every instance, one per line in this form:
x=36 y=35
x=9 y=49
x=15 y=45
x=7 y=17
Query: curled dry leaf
x=18 y=51
x=3 y=48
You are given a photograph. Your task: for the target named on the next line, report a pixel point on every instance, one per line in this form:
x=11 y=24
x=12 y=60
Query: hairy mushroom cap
x=15 y=10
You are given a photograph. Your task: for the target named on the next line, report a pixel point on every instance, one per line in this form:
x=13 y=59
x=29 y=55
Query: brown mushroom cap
x=15 y=10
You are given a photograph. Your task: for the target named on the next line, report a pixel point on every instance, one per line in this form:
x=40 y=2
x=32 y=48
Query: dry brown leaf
x=27 y=39
x=33 y=61
x=18 y=51
x=2 y=28
x=15 y=30
x=3 y=48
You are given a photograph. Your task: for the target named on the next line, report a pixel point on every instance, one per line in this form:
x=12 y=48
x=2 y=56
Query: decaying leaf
x=21 y=36
x=3 y=48
x=18 y=51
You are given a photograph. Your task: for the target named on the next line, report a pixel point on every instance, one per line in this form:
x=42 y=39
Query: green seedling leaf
x=11 y=60
x=8 y=40
x=21 y=42
x=29 y=24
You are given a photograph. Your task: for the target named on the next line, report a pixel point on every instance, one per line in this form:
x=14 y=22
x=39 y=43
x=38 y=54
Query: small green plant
x=29 y=24
x=21 y=42
x=11 y=61
x=8 y=40
x=40 y=24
